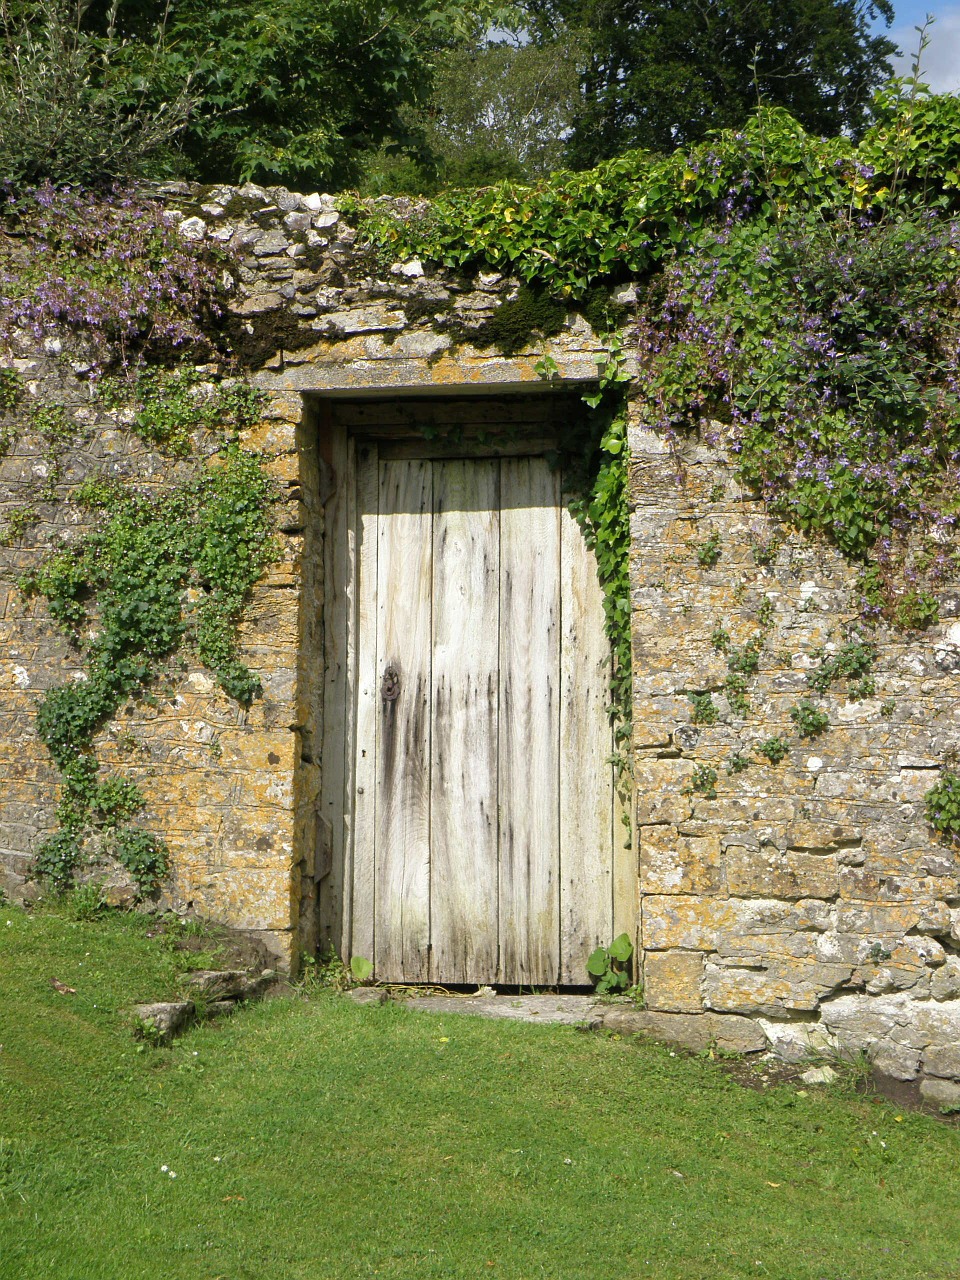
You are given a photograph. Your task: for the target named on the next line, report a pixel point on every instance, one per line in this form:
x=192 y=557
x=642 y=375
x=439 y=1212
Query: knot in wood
x=390 y=685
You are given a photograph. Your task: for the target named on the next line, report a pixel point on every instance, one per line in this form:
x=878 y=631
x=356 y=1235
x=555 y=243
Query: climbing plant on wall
x=800 y=290
x=156 y=568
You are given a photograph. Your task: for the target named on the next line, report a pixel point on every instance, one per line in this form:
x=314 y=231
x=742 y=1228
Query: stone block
x=882 y=920
x=247 y=898
x=780 y=986
x=796 y=1041
x=897 y=1060
x=694 y=1031
x=217 y=984
x=765 y=873
x=945 y=983
x=942 y=1060
x=809 y=836
x=162 y=1021
x=691 y=923
x=941 y=1093
x=671 y=863
x=671 y=981
x=230 y=984
x=700 y=923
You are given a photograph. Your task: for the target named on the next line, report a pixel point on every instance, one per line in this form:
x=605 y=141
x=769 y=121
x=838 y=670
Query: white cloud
x=940 y=64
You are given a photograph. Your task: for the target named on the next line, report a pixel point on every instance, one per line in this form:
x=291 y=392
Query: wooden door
x=481 y=837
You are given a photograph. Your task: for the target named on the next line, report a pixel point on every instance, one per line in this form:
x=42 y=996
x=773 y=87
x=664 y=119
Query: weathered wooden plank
x=404 y=556
x=529 y=738
x=467 y=447
x=586 y=775
x=335 y=802
x=410 y=415
x=464 y=827
x=364 y=687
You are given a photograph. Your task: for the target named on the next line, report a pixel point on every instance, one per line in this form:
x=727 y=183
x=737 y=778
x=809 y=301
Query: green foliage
x=85 y=902
x=775 y=749
x=513 y=324
x=109 y=268
x=325 y=972
x=297 y=93
x=116 y=800
x=361 y=969
x=597 y=468
x=656 y=74
x=708 y=551
x=852 y=662
x=741 y=663
x=914 y=139
x=609 y=967
x=53 y=424
x=11 y=389
x=916 y=610
x=577 y=230
x=170 y=405
x=943 y=805
x=790 y=293
x=765 y=615
x=99 y=491
x=747 y=659
x=703 y=708
x=19 y=520
x=498 y=110
x=145 y=856
x=703 y=781
x=58 y=858
x=860 y=689
x=71 y=108
x=738 y=763
x=794 y=329
x=720 y=638
x=211 y=533
x=809 y=719
x=510 y=1101
x=765 y=553
x=735 y=688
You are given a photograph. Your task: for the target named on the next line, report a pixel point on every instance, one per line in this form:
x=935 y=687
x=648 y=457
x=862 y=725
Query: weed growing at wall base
x=609 y=966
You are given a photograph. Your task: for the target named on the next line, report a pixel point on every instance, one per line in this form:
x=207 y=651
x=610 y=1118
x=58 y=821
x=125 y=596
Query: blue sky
x=941 y=61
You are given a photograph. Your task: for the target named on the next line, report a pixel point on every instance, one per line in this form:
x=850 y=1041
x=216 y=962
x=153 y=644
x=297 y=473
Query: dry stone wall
x=808 y=895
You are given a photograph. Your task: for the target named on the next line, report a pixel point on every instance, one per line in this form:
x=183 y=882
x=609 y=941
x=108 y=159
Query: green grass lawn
x=315 y=1139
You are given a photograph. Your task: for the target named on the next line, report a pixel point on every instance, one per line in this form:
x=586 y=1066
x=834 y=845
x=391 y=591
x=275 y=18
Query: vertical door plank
x=362 y=773
x=586 y=775
x=529 y=735
x=463 y=790
x=334 y=798
x=404 y=583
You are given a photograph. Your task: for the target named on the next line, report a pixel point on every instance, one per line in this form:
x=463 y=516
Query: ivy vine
x=154 y=574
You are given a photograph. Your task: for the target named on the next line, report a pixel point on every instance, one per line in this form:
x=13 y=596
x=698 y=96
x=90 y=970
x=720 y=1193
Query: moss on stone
x=512 y=325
